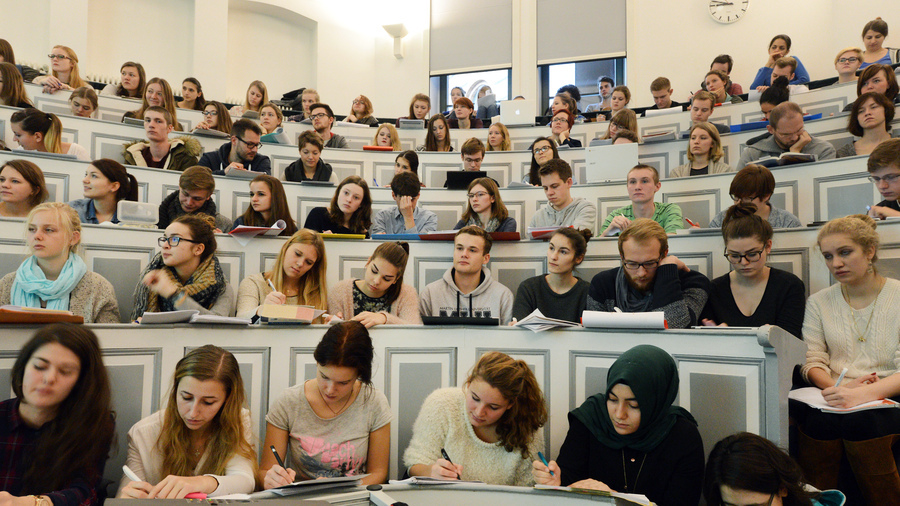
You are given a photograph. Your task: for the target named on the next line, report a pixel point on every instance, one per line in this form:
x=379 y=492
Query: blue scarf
x=32 y=286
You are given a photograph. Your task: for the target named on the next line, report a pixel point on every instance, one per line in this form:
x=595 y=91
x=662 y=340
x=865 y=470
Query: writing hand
x=275 y=298
x=136 y=490
x=278 y=476
x=541 y=473
x=446 y=470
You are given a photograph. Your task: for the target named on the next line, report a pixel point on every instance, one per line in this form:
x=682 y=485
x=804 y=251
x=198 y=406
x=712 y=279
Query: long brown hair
x=168 y=97
x=418 y=97
x=142 y=81
x=35 y=177
x=313 y=286
x=13 y=92
x=498 y=208
x=396 y=254
x=279 y=207
x=78 y=437
x=527 y=410
x=202 y=228
x=362 y=218
x=226 y=429
x=116 y=173
x=223 y=118
x=430 y=142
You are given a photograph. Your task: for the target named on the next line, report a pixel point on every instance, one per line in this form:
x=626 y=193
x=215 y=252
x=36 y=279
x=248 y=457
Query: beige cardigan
x=92 y=298
x=717 y=167
x=404 y=310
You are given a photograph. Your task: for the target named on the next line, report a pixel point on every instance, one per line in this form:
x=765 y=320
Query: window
x=499 y=81
x=582 y=74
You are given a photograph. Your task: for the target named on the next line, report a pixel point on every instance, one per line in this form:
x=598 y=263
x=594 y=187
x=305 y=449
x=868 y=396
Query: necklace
x=625 y=474
x=861 y=336
x=333 y=412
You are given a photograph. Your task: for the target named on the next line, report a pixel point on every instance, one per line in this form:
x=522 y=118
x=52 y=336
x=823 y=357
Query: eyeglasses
x=58 y=57
x=250 y=145
x=736 y=258
x=357 y=102
x=541 y=151
x=744 y=199
x=318 y=116
x=889 y=179
x=173 y=240
x=559 y=120
x=210 y=113
x=852 y=59
x=648 y=266
x=477 y=195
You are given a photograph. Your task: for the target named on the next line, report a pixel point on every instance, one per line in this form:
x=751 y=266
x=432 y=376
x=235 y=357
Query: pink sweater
x=404 y=310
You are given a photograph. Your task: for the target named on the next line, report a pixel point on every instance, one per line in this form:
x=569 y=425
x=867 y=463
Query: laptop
x=411 y=124
x=604 y=163
x=660 y=112
x=460 y=179
x=517 y=112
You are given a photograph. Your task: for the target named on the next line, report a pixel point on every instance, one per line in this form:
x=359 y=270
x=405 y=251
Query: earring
x=871 y=268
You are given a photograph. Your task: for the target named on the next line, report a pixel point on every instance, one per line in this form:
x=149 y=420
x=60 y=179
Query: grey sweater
x=768 y=147
x=579 y=214
x=489 y=300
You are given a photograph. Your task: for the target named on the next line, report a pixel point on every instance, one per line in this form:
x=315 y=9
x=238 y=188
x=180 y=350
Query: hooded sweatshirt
x=489 y=300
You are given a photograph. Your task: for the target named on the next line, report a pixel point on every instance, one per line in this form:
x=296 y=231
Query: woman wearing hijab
x=630 y=438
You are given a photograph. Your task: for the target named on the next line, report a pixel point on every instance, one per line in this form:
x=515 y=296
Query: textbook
x=786 y=158
x=287 y=313
x=620 y=320
x=628 y=498
x=537 y=322
x=243 y=233
x=812 y=396
x=22 y=314
x=543 y=232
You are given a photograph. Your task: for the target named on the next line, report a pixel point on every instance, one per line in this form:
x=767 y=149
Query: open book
x=537 y=322
x=243 y=233
x=812 y=396
x=309 y=486
x=786 y=158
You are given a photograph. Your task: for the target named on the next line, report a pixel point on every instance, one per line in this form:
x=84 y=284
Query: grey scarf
x=629 y=299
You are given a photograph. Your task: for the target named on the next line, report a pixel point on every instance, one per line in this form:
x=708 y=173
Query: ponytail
x=53 y=138
x=34 y=121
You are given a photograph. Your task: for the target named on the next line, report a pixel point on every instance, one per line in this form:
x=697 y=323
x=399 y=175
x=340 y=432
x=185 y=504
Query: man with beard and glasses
x=650 y=279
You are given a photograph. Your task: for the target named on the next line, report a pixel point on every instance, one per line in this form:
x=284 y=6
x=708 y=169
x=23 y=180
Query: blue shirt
x=390 y=221
x=87 y=212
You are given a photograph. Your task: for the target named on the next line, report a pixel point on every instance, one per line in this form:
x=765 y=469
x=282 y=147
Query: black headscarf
x=652 y=375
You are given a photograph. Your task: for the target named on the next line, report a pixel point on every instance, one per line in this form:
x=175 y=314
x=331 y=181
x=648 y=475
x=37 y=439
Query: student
x=202 y=441
x=323 y=120
x=407 y=161
x=270 y=120
x=215 y=117
x=310 y=166
x=12 y=88
x=406 y=217
x=349 y=212
x=778 y=93
x=307 y=98
x=643 y=183
x=661 y=90
x=543 y=149
x=387 y=135
x=498 y=138
x=467 y=289
x=36 y=130
x=472 y=154
x=562 y=209
x=380 y=297
x=619 y=100
x=158 y=151
x=846 y=63
x=22 y=187
x=785 y=66
x=605 y=86
x=491 y=427
x=559 y=293
x=192 y=95
x=704 y=153
x=268 y=205
x=131 y=84
x=753 y=294
x=51 y=451
x=186 y=274
x=716 y=82
x=334 y=425
x=64 y=73
x=884 y=171
x=54 y=276
x=878 y=78
x=779 y=47
x=196 y=186
x=650 y=279
x=625 y=136
x=725 y=63
x=788 y=135
x=702 y=105
x=106 y=182
x=361 y=112
x=560 y=129
x=298 y=275
x=464 y=115
x=873 y=35
x=438 y=136
x=624 y=119
x=630 y=438
x=241 y=152
x=83 y=102
x=456 y=93
x=870 y=120
x=485 y=208
x=419 y=107
x=157 y=93
x=852 y=324
x=563 y=102
x=492 y=108
x=755 y=184
x=256 y=96
x=748 y=469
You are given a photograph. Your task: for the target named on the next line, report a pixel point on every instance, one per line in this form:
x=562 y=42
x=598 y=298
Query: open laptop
x=411 y=124
x=603 y=163
x=517 y=112
x=460 y=179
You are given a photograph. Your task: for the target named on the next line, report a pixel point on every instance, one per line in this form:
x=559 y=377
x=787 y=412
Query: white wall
x=30 y=40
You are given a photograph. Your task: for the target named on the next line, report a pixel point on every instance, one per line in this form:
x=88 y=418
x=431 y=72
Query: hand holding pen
x=274 y=297
x=277 y=475
x=546 y=473
x=445 y=469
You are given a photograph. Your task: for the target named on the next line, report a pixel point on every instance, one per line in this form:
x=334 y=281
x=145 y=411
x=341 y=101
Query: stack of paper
x=812 y=396
x=189 y=316
x=537 y=322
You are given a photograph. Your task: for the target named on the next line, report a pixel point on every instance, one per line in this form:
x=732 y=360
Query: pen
x=447 y=458
x=277 y=457
x=841 y=377
x=691 y=223
x=130 y=474
x=544 y=460
x=269 y=281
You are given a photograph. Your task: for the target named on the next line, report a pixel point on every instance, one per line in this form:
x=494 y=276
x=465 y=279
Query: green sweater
x=667 y=215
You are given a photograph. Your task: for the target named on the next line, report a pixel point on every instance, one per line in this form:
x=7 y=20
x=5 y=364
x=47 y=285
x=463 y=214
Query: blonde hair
x=642 y=230
x=66 y=217
x=75 y=80
x=505 y=144
x=313 y=285
x=715 y=151
x=860 y=228
x=262 y=89
x=856 y=50
x=395 y=136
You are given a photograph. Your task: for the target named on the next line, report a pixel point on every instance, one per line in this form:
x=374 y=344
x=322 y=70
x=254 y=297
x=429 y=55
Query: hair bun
x=404 y=245
x=781 y=82
x=865 y=218
x=586 y=232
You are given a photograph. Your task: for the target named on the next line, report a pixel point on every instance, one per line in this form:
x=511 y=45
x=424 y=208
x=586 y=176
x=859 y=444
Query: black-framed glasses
x=852 y=59
x=559 y=120
x=174 y=240
x=648 y=265
x=210 y=113
x=317 y=116
x=736 y=258
x=889 y=179
x=251 y=145
x=58 y=57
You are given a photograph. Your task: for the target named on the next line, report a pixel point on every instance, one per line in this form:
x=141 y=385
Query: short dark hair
x=660 y=84
x=310 y=137
x=478 y=232
x=626 y=134
x=319 y=105
x=347 y=344
x=887 y=154
x=873 y=70
x=240 y=127
x=471 y=146
x=572 y=90
x=782 y=110
x=606 y=79
x=411 y=157
x=406 y=184
x=753 y=181
x=723 y=58
x=161 y=110
x=557 y=166
x=853 y=125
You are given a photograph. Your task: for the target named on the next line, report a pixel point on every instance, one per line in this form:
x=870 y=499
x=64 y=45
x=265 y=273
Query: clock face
x=728 y=11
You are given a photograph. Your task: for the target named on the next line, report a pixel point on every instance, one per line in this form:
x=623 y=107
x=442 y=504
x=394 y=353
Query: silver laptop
x=411 y=124
x=605 y=163
x=517 y=112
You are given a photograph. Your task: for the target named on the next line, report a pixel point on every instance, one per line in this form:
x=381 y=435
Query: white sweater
x=831 y=329
x=442 y=423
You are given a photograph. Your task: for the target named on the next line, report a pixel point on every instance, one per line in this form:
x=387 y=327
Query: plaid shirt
x=17 y=442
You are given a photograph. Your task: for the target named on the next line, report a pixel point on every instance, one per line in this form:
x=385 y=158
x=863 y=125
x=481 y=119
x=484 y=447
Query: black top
x=318 y=220
x=670 y=474
x=535 y=293
x=572 y=143
x=783 y=303
x=700 y=172
x=893 y=204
